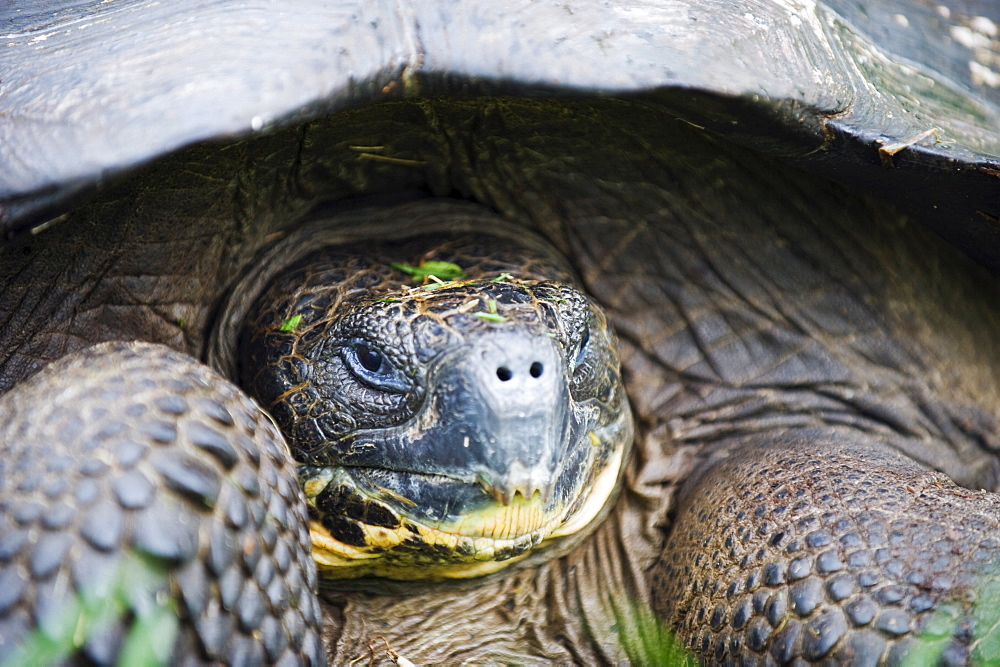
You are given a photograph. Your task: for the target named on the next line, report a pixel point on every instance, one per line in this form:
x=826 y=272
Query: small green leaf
x=430 y=287
x=442 y=270
x=944 y=622
x=136 y=590
x=503 y=277
x=291 y=323
x=491 y=306
x=492 y=317
x=151 y=639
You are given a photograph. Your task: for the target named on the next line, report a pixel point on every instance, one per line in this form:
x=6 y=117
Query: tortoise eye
x=581 y=351
x=370 y=359
x=373 y=368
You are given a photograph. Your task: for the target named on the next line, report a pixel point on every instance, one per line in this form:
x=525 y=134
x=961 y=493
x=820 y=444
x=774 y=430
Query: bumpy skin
x=750 y=299
x=315 y=399
x=132 y=473
x=819 y=546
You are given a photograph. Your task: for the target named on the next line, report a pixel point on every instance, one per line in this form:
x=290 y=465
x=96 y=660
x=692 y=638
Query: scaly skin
x=851 y=552
x=751 y=299
x=133 y=475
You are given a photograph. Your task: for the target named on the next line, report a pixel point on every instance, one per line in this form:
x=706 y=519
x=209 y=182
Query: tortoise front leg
x=147 y=505
x=825 y=545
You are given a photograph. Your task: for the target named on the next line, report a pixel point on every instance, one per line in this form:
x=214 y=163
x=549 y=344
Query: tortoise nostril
x=504 y=373
x=536 y=369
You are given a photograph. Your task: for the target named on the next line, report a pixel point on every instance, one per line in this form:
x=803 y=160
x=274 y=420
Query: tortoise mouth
x=361 y=527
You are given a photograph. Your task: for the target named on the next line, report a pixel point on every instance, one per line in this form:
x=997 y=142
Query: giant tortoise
x=787 y=210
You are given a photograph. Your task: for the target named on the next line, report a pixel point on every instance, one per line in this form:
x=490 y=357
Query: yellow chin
x=480 y=543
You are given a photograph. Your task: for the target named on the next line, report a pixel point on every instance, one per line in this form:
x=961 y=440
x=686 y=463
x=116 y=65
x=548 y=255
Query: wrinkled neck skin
x=750 y=300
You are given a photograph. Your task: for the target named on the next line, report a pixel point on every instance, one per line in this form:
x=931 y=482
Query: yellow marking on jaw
x=471 y=544
x=479 y=535
x=500 y=522
x=348 y=562
x=603 y=488
x=332 y=553
x=314 y=486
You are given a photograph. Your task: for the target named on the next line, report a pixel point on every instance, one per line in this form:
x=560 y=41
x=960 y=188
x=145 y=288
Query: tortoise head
x=443 y=430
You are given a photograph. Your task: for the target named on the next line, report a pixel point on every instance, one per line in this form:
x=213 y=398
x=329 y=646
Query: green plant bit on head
x=492 y=317
x=503 y=277
x=291 y=323
x=430 y=287
x=440 y=270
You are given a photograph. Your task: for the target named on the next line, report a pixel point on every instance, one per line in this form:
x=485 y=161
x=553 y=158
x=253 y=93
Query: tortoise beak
x=519 y=431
